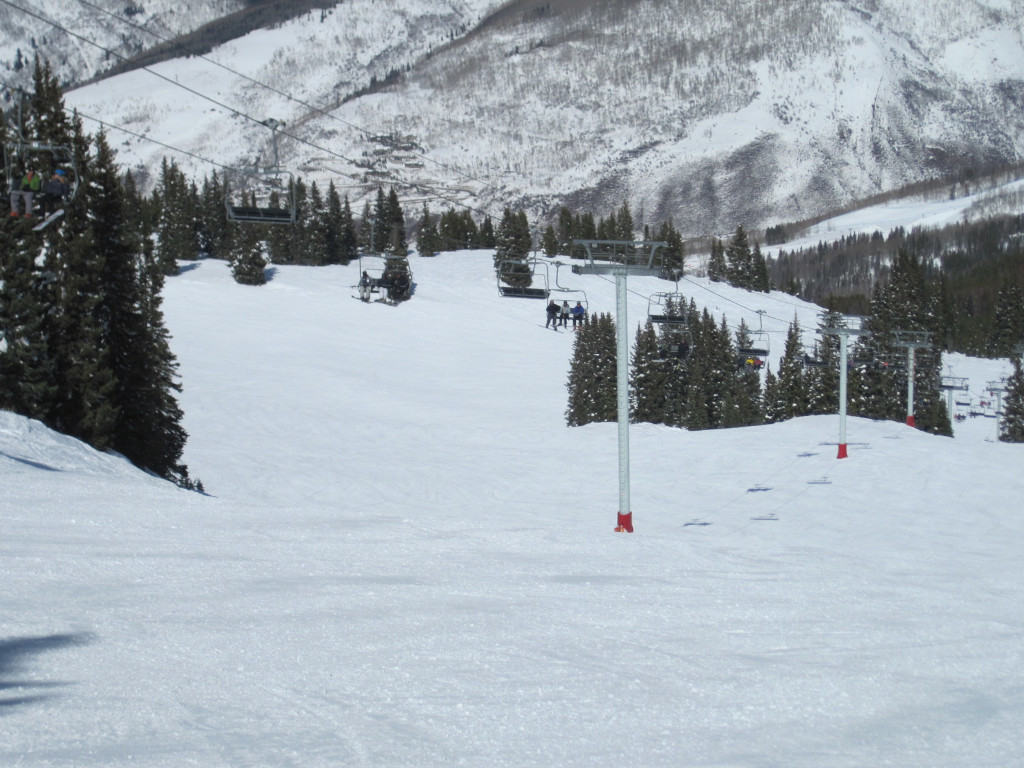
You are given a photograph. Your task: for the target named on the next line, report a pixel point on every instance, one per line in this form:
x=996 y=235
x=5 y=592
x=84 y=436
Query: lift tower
x=621 y=258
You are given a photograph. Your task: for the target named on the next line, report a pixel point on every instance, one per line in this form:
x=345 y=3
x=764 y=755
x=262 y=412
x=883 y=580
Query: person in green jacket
x=30 y=184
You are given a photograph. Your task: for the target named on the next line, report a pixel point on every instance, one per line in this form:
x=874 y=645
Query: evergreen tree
x=332 y=228
x=349 y=238
x=512 y=248
x=772 y=400
x=592 y=373
x=791 y=389
x=248 y=264
x=566 y=231
x=549 y=242
x=1009 y=321
x=428 y=240
x=1011 y=426
x=672 y=257
x=648 y=378
x=147 y=427
x=27 y=375
x=903 y=304
x=313 y=251
x=177 y=231
x=718 y=270
x=214 y=230
x=111 y=371
x=398 y=244
x=487 y=237
x=759 y=280
x=823 y=379
x=623 y=227
x=740 y=267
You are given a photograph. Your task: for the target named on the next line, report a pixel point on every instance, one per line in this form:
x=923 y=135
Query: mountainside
x=710 y=112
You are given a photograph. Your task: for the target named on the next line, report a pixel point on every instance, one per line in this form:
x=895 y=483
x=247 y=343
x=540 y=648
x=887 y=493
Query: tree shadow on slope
x=16 y=654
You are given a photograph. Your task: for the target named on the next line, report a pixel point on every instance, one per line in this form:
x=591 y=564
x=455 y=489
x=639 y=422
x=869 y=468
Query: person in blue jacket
x=578 y=315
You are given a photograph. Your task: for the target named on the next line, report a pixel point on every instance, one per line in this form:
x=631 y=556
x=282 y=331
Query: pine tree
x=27 y=375
x=549 y=242
x=177 y=232
x=512 y=248
x=150 y=431
x=147 y=430
x=791 y=389
x=624 y=228
x=1009 y=321
x=487 y=237
x=332 y=227
x=314 y=247
x=772 y=400
x=823 y=379
x=1011 y=426
x=648 y=378
x=592 y=373
x=740 y=261
x=759 y=280
x=428 y=240
x=718 y=270
x=349 y=237
x=214 y=230
x=673 y=257
x=248 y=264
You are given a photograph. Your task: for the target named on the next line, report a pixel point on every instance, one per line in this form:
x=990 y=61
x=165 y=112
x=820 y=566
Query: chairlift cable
x=271 y=88
x=395 y=180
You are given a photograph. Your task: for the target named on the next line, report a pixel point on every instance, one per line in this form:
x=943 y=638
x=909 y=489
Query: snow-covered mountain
x=711 y=112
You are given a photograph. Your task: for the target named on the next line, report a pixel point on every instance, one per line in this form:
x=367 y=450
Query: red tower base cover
x=625 y=522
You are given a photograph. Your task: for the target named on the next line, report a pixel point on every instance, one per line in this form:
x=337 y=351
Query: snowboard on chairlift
x=48 y=220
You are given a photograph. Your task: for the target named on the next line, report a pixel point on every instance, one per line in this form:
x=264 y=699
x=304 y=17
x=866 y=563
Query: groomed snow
x=407 y=559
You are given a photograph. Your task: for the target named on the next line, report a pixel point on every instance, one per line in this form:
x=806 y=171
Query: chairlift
x=388 y=276
x=675 y=342
x=262 y=195
x=667 y=308
x=814 y=360
x=516 y=278
x=573 y=295
x=45 y=158
x=754 y=354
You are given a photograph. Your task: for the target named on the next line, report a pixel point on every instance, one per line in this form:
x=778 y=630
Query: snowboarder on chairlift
x=30 y=183
x=365 y=286
x=552 y=310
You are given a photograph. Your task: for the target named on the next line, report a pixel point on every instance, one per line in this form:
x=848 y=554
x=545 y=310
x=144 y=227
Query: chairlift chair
x=666 y=308
x=813 y=361
x=21 y=153
x=757 y=351
x=255 y=195
x=390 y=276
x=512 y=282
x=754 y=354
x=675 y=343
x=566 y=293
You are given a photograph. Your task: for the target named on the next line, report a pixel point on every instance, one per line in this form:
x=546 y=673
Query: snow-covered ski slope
x=407 y=559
